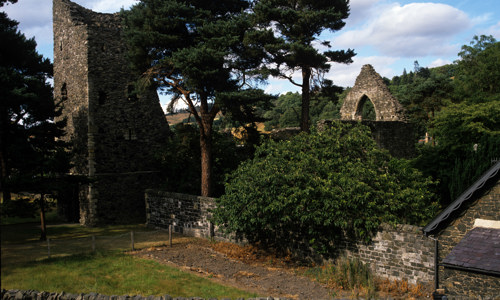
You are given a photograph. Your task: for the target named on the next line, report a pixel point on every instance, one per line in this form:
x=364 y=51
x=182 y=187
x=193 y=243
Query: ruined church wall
x=116 y=133
x=70 y=79
x=370 y=85
x=390 y=129
x=128 y=128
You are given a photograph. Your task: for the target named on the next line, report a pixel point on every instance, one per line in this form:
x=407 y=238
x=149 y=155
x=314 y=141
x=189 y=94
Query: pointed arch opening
x=365 y=109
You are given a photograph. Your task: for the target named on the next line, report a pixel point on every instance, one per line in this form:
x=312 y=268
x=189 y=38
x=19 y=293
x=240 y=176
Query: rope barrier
x=132 y=237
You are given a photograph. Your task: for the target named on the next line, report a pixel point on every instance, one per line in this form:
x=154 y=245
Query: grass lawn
x=112 y=274
x=73 y=268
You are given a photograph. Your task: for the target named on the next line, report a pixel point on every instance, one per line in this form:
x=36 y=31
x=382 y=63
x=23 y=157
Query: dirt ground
x=247 y=270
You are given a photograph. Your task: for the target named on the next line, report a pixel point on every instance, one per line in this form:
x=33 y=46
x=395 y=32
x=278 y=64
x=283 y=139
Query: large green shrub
x=317 y=188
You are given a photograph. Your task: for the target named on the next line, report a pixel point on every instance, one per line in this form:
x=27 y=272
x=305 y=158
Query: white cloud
x=42 y=33
x=280 y=86
x=439 y=62
x=481 y=19
x=111 y=6
x=494 y=31
x=345 y=75
x=32 y=13
x=415 y=29
x=35 y=16
x=360 y=10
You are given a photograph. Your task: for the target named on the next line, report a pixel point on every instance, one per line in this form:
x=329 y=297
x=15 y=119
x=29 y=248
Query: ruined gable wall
x=370 y=84
x=390 y=129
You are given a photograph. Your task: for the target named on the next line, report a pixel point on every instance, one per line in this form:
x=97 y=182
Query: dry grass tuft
x=251 y=254
x=401 y=288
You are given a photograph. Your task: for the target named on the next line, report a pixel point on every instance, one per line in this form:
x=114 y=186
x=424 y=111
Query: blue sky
x=388 y=34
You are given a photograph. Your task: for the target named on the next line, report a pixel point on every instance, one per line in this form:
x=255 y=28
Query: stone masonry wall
x=395 y=253
x=467 y=283
x=189 y=215
x=36 y=295
x=369 y=86
x=115 y=132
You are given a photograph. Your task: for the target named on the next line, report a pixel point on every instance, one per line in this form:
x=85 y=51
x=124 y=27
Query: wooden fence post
x=48 y=247
x=132 y=240
x=170 y=235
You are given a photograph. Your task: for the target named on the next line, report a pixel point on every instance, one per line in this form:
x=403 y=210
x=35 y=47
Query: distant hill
x=177 y=118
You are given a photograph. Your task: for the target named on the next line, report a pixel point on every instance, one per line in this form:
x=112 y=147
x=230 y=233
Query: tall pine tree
x=197 y=51
x=295 y=26
x=26 y=103
x=31 y=156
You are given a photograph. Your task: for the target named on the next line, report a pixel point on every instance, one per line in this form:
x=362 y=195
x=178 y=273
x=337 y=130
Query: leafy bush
x=317 y=188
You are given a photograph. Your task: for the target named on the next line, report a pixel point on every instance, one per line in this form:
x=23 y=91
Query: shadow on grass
x=20 y=242
x=112 y=273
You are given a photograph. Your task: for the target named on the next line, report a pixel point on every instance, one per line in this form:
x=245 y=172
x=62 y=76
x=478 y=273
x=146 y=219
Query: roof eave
x=433 y=225
x=473 y=270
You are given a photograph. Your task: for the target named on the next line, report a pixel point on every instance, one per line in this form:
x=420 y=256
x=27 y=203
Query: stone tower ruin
x=389 y=129
x=115 y=132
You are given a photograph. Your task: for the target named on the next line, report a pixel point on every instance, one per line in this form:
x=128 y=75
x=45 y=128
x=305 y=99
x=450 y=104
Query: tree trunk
x=206 y=160
x=4 y=175
x=43 y=226
x=205 y=122
x=304 y=122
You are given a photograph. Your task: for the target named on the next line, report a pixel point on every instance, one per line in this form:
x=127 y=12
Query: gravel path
x=197 y=256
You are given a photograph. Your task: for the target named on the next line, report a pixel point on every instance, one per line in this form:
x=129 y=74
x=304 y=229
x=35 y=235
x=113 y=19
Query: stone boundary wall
x=396 y=253
x=189 y=215
x=36 y=295
x=400 y=252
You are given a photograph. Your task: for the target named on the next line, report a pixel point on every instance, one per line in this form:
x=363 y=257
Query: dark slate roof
x=469 y=196
x=478 y=251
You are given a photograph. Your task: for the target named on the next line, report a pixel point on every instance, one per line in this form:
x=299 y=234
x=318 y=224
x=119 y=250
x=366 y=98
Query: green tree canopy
x=478 y=70
x=424 y=93
x=468 y=140
x=31 y=157
x=316 y=188
x=197 y=51
x=467 y=131
x=2 y=2
x=27 y=109
x=293 y=28
x=286 y=109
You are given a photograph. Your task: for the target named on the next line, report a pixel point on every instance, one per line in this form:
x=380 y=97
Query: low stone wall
x=396 y=253
x=35 y=295
x=401 y=252
x=189 y=215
